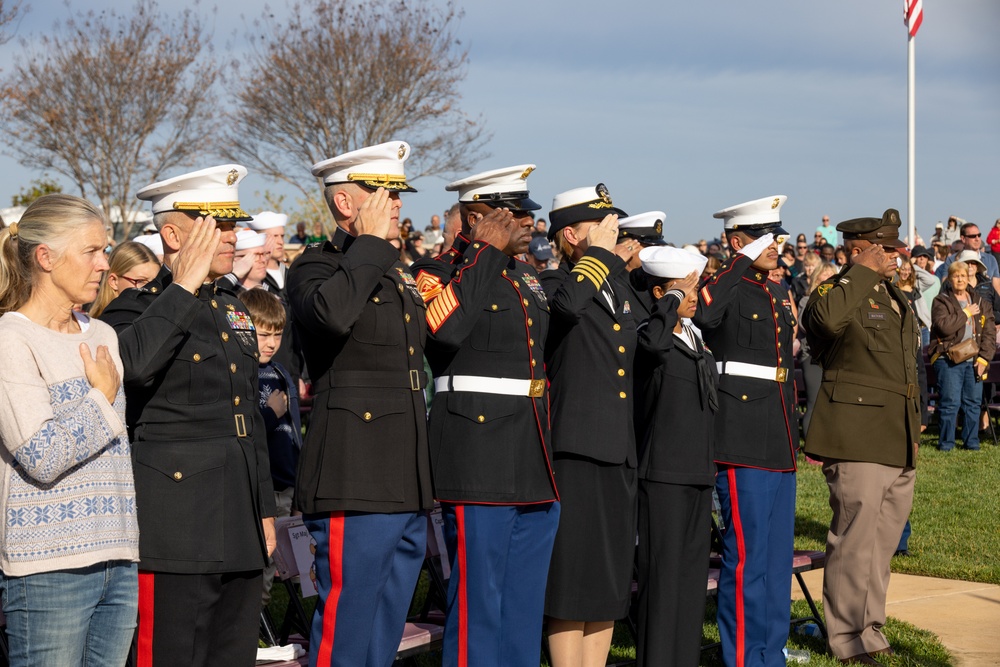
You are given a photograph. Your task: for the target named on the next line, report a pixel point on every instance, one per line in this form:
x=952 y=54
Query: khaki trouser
x=870 y=503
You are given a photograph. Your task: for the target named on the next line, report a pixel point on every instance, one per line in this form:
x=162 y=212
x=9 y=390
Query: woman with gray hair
x=962 y=344
x=68 y=538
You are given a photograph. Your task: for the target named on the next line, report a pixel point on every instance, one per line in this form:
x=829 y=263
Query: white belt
x=772 y=373
x=488 y=385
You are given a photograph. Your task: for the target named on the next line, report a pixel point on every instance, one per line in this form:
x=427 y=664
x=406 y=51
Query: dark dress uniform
x=676 y=405
x=202 y=476
x=588 y=360
x=490 y=449
x=639 y=296
x=364 y=475
x=747 y=322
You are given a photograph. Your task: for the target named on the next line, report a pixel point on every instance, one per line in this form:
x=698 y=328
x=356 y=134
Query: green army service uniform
x=865 y=429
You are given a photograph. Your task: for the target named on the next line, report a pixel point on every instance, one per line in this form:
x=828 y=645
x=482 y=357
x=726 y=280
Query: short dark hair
x=265 y=309
x=965 y=227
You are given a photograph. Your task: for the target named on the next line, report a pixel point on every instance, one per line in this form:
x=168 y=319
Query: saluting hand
x=495 y=228
x=688 y=284
x=605 y=234
x=375 y=215
x=194 y=259
x=242 y=265
x=756 y=248
x=101 y=371
x=872 y=257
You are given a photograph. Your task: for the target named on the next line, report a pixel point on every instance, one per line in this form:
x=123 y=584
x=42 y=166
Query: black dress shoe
x=905 y=553
x=860 y=659
x=884 y=651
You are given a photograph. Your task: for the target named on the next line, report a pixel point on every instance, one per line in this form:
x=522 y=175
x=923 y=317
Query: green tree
x=37 y=188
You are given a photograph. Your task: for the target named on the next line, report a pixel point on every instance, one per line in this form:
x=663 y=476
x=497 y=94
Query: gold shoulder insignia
x=823 y=289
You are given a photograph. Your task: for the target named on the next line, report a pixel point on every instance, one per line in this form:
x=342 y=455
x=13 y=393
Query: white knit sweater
x=67 y=497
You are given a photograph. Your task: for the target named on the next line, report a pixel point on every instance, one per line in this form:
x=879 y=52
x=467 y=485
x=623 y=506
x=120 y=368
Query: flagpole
x=911 y=140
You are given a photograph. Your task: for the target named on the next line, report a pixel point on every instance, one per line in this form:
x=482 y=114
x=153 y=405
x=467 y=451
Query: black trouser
x=198 y=620
x=674 y=544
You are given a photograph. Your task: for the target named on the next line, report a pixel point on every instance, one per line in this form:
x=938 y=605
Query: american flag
x=913 y=15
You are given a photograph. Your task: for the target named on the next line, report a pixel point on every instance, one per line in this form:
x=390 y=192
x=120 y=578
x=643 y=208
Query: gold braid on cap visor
x=220 y=210
x=395 y=181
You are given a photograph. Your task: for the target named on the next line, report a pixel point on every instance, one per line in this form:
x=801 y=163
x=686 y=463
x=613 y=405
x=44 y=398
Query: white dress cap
x=246 y=239
x=374 y=167
x=643 y=227
x=579 y=205
x=152 y=241
x=268 y=220
x=756 y=213
x=669 y=262
x=499 y=188
x=213 y=191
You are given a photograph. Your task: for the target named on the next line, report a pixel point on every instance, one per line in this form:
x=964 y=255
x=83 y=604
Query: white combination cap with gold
x=247 y=239
x=373 y=167
x=646 y=228
x=267 y=220
x=580 y=205
x=213 y=191
x=671 y=263
x=497 y=188
x=756 y=218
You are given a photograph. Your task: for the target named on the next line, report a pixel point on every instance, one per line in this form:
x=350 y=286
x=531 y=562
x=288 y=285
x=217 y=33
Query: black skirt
x=590 y=577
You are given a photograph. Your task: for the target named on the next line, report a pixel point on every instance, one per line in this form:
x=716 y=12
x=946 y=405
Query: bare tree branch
x=337 y=76
x=10 y=11
x=112 y=100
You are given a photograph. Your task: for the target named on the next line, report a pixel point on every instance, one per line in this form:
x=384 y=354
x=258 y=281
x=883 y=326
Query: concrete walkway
x=964 y=615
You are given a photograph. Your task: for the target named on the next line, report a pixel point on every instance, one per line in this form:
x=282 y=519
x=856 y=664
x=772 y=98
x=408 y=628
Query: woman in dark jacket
x=957 y=315
x=676 y=402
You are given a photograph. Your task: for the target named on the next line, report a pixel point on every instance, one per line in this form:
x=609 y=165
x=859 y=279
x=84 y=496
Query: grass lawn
x=956 y=535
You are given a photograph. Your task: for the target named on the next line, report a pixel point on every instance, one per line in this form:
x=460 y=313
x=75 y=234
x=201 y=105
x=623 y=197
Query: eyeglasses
x=971 y=236
x=136 y=282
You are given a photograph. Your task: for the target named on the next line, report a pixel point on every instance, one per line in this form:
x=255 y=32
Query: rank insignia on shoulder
x=240 y=321
x=823 y=289
x=627 y=308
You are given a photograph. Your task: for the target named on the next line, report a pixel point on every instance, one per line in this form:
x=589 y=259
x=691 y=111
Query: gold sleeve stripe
x=706 y=296
x=441 y=308
x=589 y=273
x=428 y=285
x=601 y=266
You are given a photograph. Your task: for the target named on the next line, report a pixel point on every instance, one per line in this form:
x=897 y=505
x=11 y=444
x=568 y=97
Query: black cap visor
x=564 y=217
x=515 y=201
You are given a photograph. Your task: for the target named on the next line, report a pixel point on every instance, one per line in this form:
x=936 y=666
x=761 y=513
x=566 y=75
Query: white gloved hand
x=754 y=250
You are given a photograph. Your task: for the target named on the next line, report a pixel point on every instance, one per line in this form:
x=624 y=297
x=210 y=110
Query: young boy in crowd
x=279 y=403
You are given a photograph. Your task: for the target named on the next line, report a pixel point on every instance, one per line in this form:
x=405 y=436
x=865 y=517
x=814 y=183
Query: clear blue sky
x=691 y=107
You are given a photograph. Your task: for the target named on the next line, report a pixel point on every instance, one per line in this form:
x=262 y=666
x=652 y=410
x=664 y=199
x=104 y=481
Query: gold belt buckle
x=241 y=426
x=781 y=375
x=537 y=389
x=414 y=380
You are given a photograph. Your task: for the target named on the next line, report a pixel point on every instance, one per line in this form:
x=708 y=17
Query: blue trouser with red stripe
x=499 y=557
x=366 y=569
x=754 y=608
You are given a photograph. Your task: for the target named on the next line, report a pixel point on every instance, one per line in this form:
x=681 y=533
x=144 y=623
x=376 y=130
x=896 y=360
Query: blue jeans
x=83 y=617
x=958 y=386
